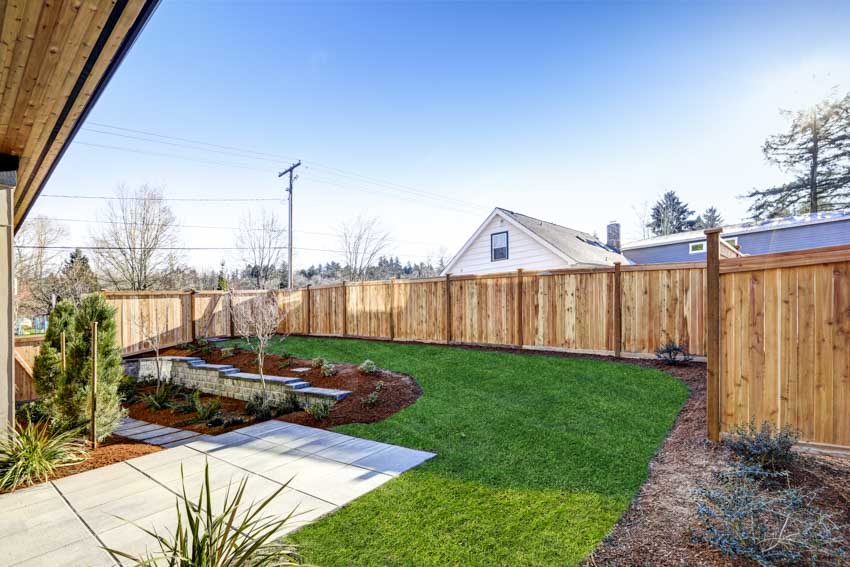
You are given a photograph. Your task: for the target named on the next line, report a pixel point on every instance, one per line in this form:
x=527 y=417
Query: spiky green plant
x=238 y=535
x=161 y=397
x=32 y=453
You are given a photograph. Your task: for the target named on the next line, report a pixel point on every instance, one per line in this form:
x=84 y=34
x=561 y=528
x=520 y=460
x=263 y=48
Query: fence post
x=519 y=330
x=308 y=308
x=392 y=309
x=448 y=308
x=93 y=425
x=618 y=310
x=712 y=333
x=192 y=335
x=344 y=310
x=62 y=349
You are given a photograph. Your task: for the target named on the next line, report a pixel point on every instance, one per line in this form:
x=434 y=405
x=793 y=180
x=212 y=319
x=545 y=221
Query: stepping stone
x=229 y=371
x=300 y=370
x=283 y=379
x=330 y=393
x=160 y=430
x=299 y=385
x=172 y=437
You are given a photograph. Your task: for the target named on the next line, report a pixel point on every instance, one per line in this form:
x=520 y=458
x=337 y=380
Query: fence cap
x=713 y=230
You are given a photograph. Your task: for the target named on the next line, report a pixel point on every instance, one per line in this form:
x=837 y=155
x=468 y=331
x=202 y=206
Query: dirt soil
x=657 y=528
x=398 y=391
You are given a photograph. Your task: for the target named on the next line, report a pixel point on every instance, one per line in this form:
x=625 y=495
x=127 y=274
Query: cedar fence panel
x=785 y=344
x=420 y=310
x=368 y=309
x=168 y=312
x=326 y=310
x=26 y=349
x=212 y=313
x=484 y=309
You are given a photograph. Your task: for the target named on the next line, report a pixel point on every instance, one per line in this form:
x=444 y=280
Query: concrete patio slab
x=67 y=521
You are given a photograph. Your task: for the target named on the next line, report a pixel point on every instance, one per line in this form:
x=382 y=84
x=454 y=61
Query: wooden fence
x=26 y=349
x=775 y=329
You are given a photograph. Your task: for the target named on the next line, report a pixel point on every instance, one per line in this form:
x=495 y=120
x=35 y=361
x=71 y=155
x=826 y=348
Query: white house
x=507 y=241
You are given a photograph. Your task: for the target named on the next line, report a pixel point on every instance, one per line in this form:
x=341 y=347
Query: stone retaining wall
x=226 y=381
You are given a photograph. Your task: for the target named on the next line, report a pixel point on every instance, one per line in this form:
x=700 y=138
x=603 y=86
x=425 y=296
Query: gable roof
x=744 y=228
x=573 y=246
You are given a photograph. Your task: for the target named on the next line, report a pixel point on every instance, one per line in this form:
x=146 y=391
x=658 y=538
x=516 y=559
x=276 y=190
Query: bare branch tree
x=256 y=320
x=151 y=331
x=36 y=263
x=137 y=229
x=362 y=242
x=261 y=239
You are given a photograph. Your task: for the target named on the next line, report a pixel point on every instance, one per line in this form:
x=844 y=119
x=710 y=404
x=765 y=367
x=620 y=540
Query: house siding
x=765 y=242
x=523 y=252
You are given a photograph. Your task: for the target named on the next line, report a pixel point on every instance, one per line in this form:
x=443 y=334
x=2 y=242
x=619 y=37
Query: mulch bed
x=171 y=418
x=398 y=392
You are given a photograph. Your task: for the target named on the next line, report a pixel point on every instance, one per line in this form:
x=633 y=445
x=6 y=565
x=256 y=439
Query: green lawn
x=537 y=457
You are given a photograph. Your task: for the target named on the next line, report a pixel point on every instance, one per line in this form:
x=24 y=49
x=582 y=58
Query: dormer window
x=499 y=246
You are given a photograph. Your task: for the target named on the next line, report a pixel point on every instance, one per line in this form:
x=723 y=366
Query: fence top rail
x=145 y=293
x=665 y=266
x=790 y=259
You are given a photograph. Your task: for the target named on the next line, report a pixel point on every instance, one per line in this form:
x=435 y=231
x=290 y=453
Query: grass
x=537 y=457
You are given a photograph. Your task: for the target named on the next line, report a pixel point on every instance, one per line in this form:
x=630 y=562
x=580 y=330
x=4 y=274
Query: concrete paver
x=67 y=521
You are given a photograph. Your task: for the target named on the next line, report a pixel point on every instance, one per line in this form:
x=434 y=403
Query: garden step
x=299 y=385
x=300 y=370
x=330 y=393
x=220 y=367
x=228 y=371
x=283 y=379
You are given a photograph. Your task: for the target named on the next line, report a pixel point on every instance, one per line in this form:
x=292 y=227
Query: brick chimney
x=614 y=235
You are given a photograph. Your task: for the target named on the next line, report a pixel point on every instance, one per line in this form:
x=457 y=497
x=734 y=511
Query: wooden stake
x=618 y=310
x=93 y=426
x=712 y=332
x=448 y=308
x=62 y=350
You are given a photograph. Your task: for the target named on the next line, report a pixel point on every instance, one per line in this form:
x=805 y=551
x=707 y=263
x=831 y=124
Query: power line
x=332 y=170
x=211 y=227
x=188 y=199
x=172 y=156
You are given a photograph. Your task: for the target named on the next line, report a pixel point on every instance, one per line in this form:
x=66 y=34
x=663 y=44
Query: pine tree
x=670 y=215
x=47 y=367
x=711 y=218
x=815 y=151
x=73 y=394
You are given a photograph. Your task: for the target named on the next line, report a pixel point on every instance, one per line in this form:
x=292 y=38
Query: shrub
x=379 y=385
x=318 y=410
x=318 y=362
x=72 y=398
x=161 y=397
x=35 y=411
x=371 y=400
x=673 y=354
x=766 y=446
x=206 y=411
x=32 y=452
x=328 y=370
x=237 y=535
x=128 y=389
x=780 y=527
x=286 y=404
x=259 y=406
x=367 y=367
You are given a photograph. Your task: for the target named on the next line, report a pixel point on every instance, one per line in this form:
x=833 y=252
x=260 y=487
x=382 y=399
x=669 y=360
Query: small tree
x=151 y=332
x=47 y=368
x=256 y=320
x=670 y=215
x=73 y=393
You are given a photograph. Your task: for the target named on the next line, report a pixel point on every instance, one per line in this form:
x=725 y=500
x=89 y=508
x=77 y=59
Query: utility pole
x=289 y=170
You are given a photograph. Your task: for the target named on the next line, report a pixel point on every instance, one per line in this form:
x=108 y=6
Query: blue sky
x=574 y=113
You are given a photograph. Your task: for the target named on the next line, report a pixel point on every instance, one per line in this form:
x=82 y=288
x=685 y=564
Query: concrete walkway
x=154 y=434
x=66 y=522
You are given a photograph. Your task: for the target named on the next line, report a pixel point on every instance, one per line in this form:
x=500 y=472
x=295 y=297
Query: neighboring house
x=759 y=237
x=507 y=241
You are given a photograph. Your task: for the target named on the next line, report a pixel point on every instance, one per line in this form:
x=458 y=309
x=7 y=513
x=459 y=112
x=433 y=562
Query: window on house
x=732 y=241
x=697 y=247
x=498 y=246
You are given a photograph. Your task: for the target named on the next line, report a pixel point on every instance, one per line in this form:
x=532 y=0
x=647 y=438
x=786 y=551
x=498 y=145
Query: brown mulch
x=171 y=418
x=398 y=392
x=111 y=450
